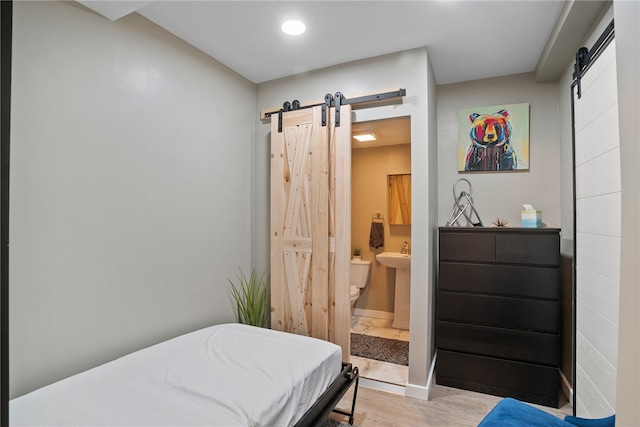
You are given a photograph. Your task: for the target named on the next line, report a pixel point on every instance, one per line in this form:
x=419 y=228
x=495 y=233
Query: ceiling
x=467 y=40
x=394 y=131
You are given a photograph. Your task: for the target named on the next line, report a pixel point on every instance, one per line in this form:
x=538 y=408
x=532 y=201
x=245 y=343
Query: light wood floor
x=446 y=407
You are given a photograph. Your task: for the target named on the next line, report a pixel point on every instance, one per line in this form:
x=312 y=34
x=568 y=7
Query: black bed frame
x=330 y=398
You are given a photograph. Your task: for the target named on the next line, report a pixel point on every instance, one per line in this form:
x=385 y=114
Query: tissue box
x=531 y=219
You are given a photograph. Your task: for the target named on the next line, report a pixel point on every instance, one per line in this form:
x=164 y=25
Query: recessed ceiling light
x=293 y=28
x=365 y=137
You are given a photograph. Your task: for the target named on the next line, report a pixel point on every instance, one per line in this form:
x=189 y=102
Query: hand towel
x=376 y=236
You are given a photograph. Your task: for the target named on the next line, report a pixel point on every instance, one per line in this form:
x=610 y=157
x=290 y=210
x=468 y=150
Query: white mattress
x=225 y=375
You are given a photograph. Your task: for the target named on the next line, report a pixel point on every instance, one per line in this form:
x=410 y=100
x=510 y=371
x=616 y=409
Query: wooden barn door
x=311 y=224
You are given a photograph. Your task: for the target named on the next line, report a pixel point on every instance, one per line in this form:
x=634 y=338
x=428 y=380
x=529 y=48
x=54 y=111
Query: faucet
x=405 y=249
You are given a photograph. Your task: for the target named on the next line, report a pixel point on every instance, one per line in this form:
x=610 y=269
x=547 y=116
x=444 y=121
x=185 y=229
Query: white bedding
x=225 y=375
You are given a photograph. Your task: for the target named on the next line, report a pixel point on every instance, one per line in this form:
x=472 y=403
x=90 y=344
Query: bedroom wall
x=627 y=18
x=408 y=69
x=502 y=194
x=130 y=189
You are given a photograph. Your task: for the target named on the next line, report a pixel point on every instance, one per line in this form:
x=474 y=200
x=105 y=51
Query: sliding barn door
x=597 y=237
x=310 y=224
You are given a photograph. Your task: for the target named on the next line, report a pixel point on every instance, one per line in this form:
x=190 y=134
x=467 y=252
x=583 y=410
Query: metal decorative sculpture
x=463 y=207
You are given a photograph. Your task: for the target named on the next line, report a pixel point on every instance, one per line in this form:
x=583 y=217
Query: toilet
x=358 y=279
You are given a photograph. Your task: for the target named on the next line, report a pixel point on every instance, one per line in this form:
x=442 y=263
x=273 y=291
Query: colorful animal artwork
x=488 y=140
x=490 y=148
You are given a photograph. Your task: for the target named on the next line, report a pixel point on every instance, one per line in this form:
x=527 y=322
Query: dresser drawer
x=525 y=381
x=523 y=346
x=537 y=249
x=519 y=281
x=479 y=247
x=506 y=312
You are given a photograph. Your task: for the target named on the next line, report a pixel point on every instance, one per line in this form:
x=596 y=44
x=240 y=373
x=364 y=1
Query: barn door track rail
x=585 y=57
x=334 y=101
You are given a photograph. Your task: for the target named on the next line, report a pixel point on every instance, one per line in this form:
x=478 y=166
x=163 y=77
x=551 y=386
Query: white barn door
x=597 y=238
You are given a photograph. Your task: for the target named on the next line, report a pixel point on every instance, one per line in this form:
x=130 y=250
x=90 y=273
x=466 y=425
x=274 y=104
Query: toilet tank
x=359 y=273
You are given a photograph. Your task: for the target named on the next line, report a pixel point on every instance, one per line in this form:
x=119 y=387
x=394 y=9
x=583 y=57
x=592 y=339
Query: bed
x=224 y=375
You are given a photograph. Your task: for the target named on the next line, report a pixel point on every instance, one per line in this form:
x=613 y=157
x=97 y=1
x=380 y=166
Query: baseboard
x=416 y=392
x=432 y=374
x=373 y=313
x=566 y=387
x=382 y=386
x=419 y=392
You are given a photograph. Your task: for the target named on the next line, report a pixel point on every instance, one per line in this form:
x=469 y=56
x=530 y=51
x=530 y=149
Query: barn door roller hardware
x=330 y=101
x=287 y=106
x=585 y=57
x=334 y=101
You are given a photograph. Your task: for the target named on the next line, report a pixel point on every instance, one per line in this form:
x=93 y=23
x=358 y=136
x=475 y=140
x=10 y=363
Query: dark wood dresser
x=498 y=311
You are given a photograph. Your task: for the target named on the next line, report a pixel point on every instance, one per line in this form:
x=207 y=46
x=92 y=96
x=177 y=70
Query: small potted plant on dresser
x=356 y=253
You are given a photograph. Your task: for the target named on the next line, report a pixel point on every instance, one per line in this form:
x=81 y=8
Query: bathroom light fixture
x=293 y=27
x=365 y=137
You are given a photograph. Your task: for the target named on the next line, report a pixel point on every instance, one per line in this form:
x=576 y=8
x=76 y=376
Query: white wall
x=410 y=70
x=502 y=194
x=130 y=189
x=627 y=21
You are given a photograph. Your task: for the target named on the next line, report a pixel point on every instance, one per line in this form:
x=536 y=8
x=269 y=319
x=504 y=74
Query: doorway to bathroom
x=379 y=346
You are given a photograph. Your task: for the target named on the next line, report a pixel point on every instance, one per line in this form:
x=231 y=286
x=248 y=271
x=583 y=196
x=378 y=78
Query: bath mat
x=382 y=349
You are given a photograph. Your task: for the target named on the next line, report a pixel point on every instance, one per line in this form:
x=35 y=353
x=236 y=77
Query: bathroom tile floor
x=374 y=369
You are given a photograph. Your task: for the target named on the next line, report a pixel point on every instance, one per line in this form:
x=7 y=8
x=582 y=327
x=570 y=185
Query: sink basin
x=402 y=264
x=395 y=260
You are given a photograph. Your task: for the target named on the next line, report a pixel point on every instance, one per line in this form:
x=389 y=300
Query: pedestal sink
x=402 y=264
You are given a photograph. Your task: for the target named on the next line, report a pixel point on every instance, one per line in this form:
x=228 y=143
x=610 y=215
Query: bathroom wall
x=369 y=195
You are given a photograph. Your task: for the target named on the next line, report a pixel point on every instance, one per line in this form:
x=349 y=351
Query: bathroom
x=374 y=163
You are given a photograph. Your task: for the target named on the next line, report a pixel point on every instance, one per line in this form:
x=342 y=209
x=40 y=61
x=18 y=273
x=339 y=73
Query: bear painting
x=490 y=148
x=488 y=142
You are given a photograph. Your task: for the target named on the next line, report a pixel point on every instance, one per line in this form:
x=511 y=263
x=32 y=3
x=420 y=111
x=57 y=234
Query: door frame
x=6 y=25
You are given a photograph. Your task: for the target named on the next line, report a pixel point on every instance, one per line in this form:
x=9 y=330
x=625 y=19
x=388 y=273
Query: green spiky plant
x=251 y=296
